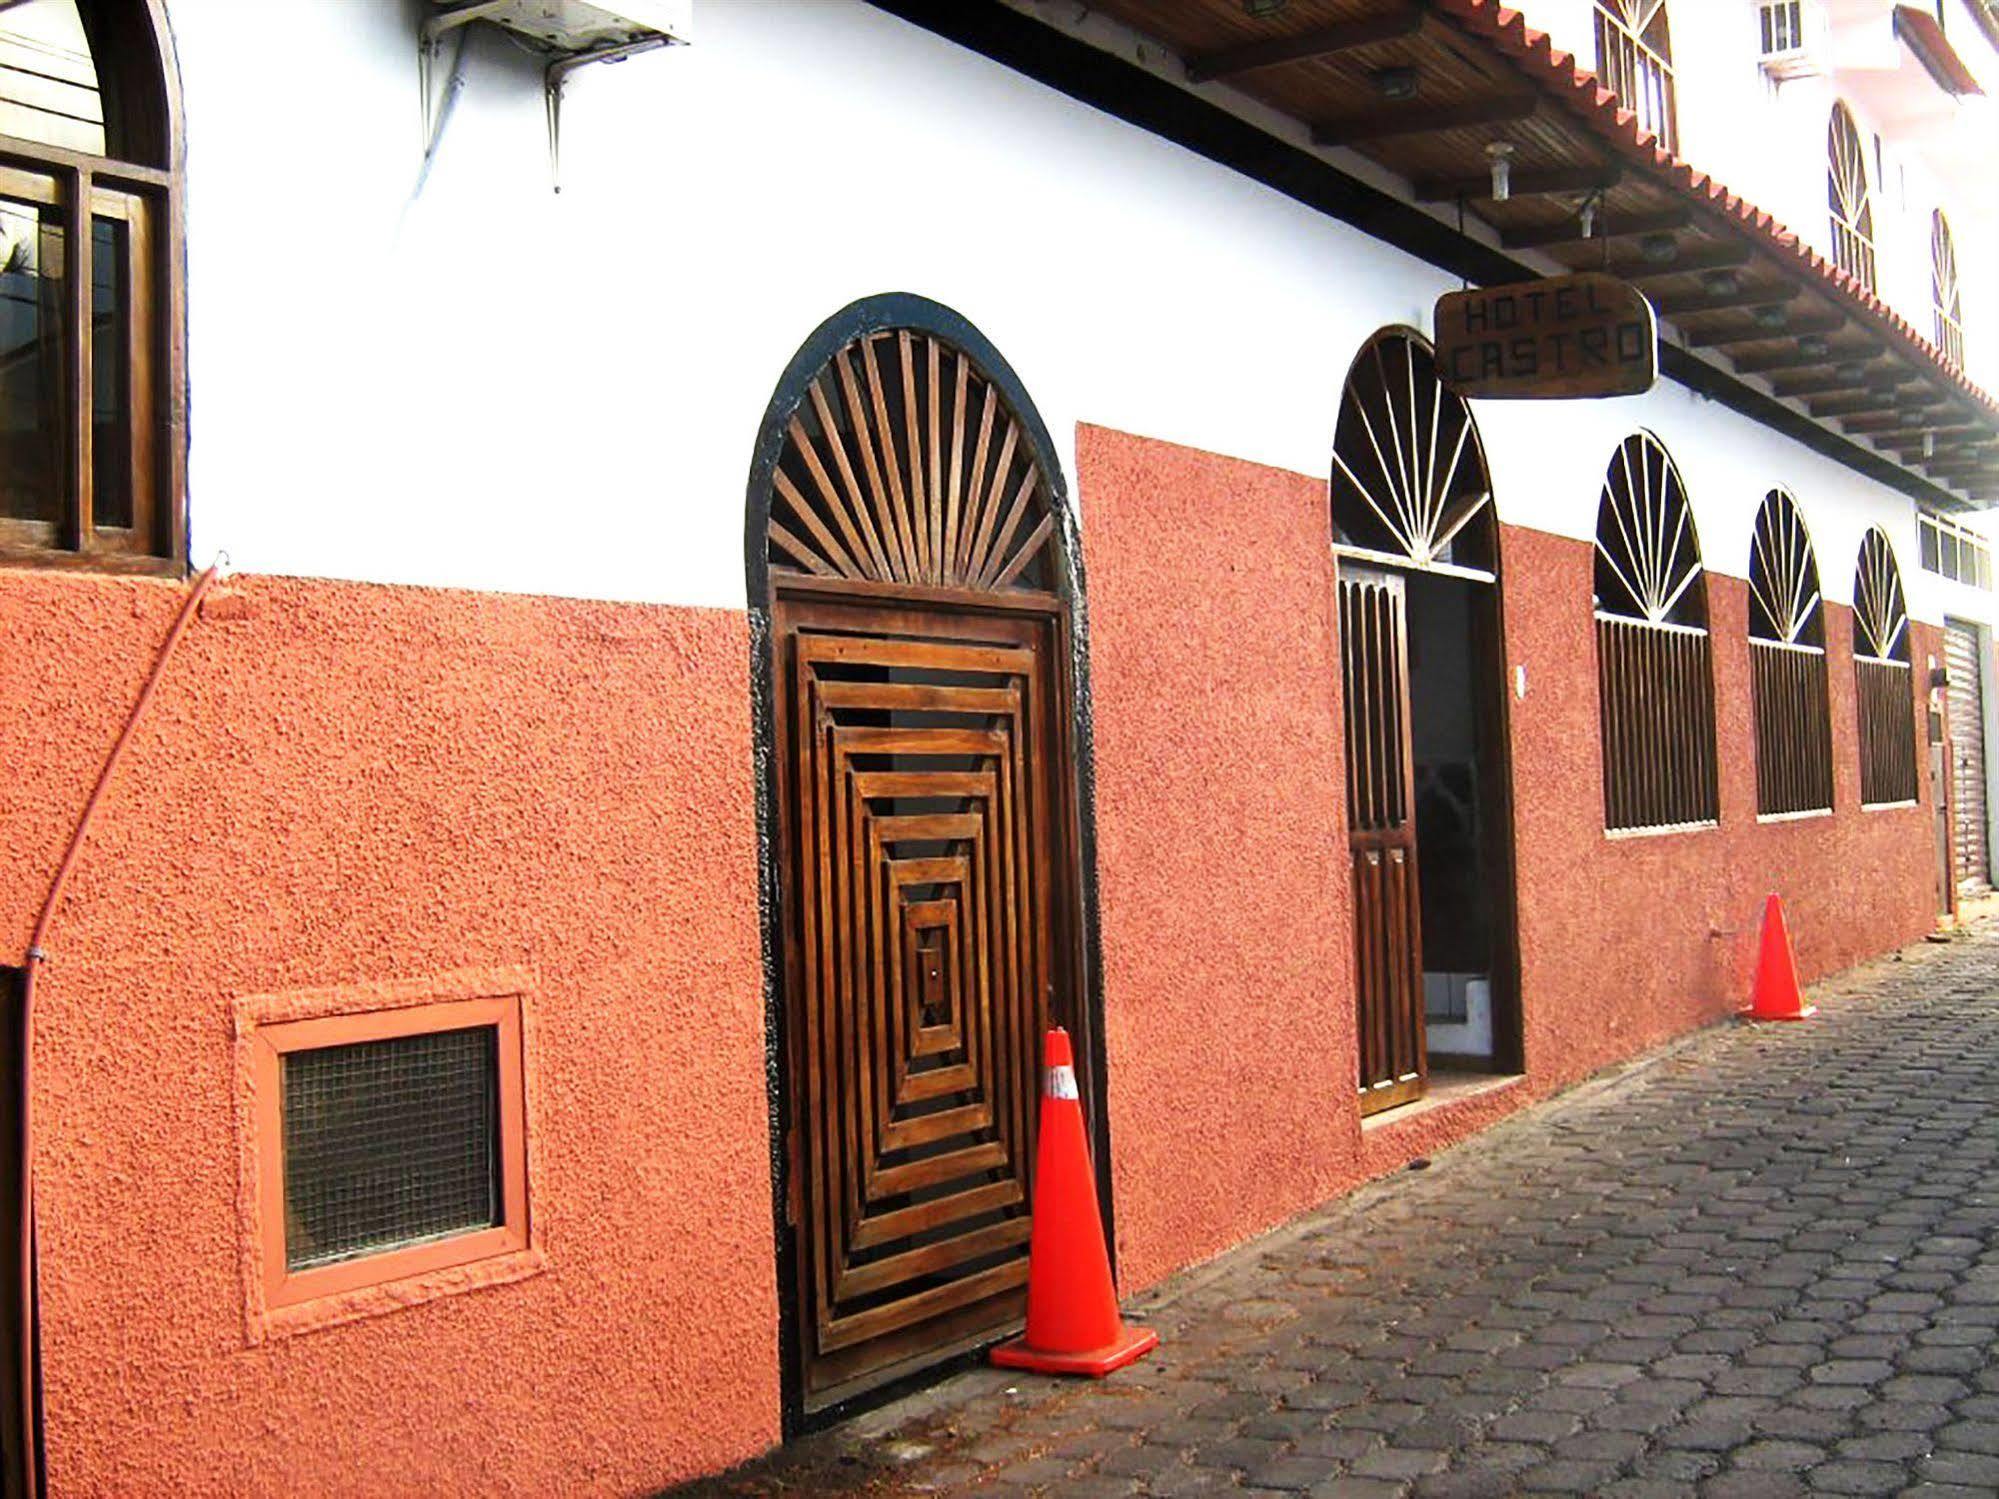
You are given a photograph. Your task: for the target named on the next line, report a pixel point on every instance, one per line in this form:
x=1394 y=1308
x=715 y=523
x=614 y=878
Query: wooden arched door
x=925 y=827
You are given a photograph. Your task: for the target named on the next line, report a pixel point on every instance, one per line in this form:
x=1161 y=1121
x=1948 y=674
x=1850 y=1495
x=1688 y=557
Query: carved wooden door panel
x=1381 y=834
x=927 y=947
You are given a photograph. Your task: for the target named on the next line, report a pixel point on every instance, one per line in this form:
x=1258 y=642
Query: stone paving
x=1762 y=1262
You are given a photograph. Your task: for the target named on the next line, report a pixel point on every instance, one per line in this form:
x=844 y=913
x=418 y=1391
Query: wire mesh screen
x=389 y=1143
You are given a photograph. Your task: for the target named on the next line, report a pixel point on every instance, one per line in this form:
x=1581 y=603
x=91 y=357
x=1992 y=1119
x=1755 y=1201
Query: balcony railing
x=1640 y=76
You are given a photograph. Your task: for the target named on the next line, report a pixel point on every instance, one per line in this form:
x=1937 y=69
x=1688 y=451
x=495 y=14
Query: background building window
x=1945 y=300
x=1787 y=678
x=1882 y=676
x=1655 y=676
x=393 y=1144
x=89 y=468
x=1847 y=196
x=1950 y=551
x=1634 y=60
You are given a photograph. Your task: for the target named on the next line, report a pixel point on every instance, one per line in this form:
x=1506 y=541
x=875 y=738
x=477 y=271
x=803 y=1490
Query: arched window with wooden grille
x=89 y=291
x=1787 y=679
x=1634 y=60
x=1945 y=300
x=1655 y=674
x=1883 y=677
x=1848 y=198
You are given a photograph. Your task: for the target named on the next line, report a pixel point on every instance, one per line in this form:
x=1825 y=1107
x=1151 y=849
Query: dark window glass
x=390 y=1143
x=110 y=373
x=31 y=362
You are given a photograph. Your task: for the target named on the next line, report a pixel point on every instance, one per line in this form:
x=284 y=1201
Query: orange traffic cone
x=1777 y=996
x=1073 y=1326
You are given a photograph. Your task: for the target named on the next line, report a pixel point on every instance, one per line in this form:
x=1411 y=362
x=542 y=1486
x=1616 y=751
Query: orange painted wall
x=1226 y=916
x=344 y=784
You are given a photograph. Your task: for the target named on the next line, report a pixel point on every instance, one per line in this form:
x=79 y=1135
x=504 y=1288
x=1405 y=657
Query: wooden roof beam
x=1724 y=256
x=1797 y=359
x=1748 y=294
x=1796 y=327
x=1527 y=182
x=1389 y=122
x=1605 y=226
x=1323 y=41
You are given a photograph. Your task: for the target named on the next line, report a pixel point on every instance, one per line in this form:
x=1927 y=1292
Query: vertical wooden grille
x=1388 y=980
x=1883 y=679
x=1793 y=736
x=1634 y=52
x=1848 y=198
x=1657 y=693
x=1887 y=731
x=1787 y=679
x=1655 y=675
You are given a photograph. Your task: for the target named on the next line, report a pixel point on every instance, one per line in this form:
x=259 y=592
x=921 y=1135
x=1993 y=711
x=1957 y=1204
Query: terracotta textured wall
x=1221 y=828
x=1223 y=868
x=342 y=784
x=1626 y=941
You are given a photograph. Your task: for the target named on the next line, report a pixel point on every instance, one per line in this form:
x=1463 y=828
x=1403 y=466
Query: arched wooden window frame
x=1849 y=198
x=1946 y=297
x=1787 y=663
x=1410 y=486
x=1634 y=60
x=135 y=183
x=1883 y=670
x=1655 y=674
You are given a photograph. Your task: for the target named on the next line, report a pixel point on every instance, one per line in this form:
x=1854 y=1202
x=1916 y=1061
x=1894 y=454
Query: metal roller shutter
x=1967 y=772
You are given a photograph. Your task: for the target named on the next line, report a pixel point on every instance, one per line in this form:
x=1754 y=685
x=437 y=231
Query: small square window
x=389 y=1143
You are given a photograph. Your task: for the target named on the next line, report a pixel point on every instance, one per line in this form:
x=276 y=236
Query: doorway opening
x=1462 y=843
x=1423 y=669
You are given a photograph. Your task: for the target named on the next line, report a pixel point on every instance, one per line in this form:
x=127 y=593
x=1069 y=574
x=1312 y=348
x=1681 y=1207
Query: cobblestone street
x=1762 y=1262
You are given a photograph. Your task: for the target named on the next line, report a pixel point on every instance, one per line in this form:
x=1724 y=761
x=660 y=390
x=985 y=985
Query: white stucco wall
x=495 y=387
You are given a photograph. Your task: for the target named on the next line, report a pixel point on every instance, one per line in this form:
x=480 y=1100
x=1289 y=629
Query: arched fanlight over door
x=1787 y=671
x=1946 y=301
x=1880 y=612
x=904 y=464
x=1409 y=480
x=1848 y=198
x=1883 y=675
x=1784 y=597
x=1648 y=561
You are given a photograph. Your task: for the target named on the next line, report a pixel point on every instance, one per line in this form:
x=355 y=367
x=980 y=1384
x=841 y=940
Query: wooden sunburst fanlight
x=1648 y=560
x=1784 y=596
x=904 y=464
x=1880 y=612
x=1409 y=475
x=1848 y=198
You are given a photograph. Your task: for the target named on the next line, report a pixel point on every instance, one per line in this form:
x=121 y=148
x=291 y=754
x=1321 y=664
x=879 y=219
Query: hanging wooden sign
x=1565 y=338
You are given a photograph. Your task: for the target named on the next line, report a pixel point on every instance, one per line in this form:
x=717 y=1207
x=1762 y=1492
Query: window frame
x=138 y=179
x=1790 y=699
x=269 y=1027
x=1850 y=198
x=1946 y=290
x=1880 y=604
x=1640 y=31
x=1661 y=624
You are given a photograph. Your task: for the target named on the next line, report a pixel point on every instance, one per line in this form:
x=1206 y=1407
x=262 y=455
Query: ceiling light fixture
x=1658 y=249
x=1721 y=283
x=1500 y=153
x=1395 y=83
x=1772 y=316
x=1813 y=346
